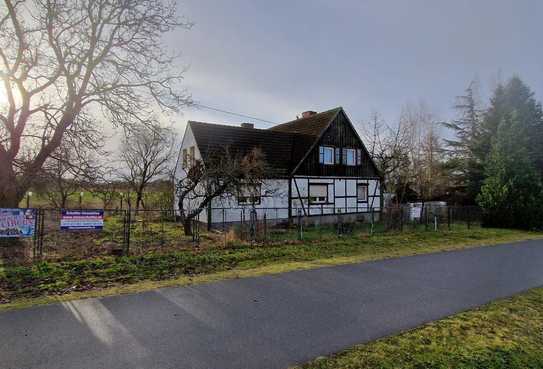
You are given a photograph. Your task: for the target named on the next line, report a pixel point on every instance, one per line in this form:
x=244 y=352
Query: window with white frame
x=192 y=156
x=326 y=155
x=349 y=157
x=185 y=159
x=249 y=195
x=318 y=193
x=362 y=192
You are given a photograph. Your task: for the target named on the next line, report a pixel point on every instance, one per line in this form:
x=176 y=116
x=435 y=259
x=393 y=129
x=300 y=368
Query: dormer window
x=326 y=155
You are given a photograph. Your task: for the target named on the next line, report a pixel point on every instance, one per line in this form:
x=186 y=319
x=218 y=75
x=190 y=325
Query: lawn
x=24 y=284
x=504 y=334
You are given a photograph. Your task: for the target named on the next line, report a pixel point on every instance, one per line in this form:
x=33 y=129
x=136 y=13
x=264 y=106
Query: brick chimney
x=307 y=114
x=247 y=125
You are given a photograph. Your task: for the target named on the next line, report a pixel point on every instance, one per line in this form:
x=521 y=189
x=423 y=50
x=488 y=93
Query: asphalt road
x=265 y=322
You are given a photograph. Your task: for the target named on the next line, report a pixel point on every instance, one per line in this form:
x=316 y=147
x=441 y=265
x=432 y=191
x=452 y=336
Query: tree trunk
x=63 y=199
x=10 y=194
x=187 y=226
x=138 y=201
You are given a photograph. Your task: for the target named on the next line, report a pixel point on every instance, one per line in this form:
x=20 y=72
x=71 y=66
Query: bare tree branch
x=66 y=65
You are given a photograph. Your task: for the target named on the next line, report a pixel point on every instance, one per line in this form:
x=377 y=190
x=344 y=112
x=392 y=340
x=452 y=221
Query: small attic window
x=192 y=156
x=185 y=159
x=349 y=157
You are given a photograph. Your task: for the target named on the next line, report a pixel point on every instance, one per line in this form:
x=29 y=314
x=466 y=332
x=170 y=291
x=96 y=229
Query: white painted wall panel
x=340 y=187
x=302 y=187
x=340 y=203
x=351 y=187
x=352 y=204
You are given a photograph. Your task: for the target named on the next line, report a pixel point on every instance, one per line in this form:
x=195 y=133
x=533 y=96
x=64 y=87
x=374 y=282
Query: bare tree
x=408 y=154
x=390 y=147
x=67 y=171
x=146 y=156
x=69 y=64
x=105 y=187
x=224 y=174
x=426 y=152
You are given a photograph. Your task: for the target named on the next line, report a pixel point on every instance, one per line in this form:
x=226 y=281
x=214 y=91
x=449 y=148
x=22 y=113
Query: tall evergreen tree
x=512 y=192
x=514 y=96
x=465 y=163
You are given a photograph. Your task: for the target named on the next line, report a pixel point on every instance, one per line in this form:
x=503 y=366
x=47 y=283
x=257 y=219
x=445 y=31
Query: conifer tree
x=512 y=192
x=515 y=96
x=465 y=163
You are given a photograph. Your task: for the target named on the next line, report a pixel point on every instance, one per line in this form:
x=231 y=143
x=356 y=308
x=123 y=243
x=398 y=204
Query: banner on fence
x=17 y=222
x=416 y=212
x=78 y=220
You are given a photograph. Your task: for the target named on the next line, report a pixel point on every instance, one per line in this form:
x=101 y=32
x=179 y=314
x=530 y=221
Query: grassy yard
x=48 y=281
x=504 y=334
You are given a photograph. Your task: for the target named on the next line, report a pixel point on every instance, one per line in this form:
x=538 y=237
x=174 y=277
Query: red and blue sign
x=81 y=220
x=17 y=222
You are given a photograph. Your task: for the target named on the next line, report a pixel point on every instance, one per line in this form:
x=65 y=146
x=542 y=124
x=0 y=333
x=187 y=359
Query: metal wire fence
x=138 y=232
x=275 y=224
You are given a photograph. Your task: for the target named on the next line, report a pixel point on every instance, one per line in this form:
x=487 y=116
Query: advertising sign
x=17 y=222
x=416 y=212
x=79 y=220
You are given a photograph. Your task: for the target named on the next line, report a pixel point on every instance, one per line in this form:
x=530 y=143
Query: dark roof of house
x=282 y=150
x=283 y=146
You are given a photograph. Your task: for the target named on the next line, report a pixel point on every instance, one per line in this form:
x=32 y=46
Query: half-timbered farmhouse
x=319 y=167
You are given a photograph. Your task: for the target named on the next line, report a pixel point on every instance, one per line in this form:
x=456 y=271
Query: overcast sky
x=275 y=59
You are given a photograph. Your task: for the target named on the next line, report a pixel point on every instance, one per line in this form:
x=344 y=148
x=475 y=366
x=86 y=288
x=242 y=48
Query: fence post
x=265 y=227
x=252 y=225
x=339 y=223
x=127 y=230
x=449 y=212
x=427 y=217
x=41 y=233
x=162 y=230
x=36 y=233
x=401 y=219
x=300 y=228
x=224 y=226
x=242 y=223
x=372 y=221
x=435 y=222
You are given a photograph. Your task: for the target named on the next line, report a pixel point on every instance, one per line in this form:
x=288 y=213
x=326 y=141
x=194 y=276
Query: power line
x=233 y=113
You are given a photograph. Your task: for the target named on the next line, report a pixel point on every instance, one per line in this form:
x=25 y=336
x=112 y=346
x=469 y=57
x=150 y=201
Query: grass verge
x=503 y=334
x=45 y=282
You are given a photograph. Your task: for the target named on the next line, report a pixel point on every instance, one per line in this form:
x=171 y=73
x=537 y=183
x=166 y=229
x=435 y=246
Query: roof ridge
x=309 y=117
x=266 y=130
x=227 y=125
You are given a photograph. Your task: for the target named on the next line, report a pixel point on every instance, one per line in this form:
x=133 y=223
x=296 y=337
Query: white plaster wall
x=351 y=187
x=273 y=203
x=180 y=173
